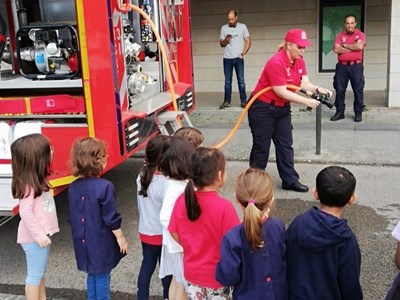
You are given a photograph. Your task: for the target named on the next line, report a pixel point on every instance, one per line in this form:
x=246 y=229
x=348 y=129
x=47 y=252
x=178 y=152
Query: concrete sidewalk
x=374 y=141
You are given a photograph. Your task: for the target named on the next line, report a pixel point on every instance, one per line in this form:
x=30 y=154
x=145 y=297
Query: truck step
x=168 y=121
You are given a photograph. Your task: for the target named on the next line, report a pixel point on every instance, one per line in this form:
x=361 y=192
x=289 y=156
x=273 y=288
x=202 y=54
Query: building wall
x=268 y=22
x=394 y=57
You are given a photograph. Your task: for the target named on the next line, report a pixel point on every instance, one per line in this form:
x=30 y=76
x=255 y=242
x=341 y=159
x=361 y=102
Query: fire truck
x=117 y=70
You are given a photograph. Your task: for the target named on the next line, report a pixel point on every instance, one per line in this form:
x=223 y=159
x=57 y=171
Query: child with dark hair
x=323 y=256
x=175 y=166
x=194 y=135
x=150 y=195
x=394 y=291
x=253 y=253
x=99 y=243
x=31 y=157
x=199 y=220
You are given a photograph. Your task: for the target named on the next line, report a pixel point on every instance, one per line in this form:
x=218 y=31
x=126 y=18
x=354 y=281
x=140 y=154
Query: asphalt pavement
x=369 y=149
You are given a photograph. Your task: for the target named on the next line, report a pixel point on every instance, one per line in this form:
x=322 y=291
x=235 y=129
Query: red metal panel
x=62 y=139
x=57 y=104
x=185 y=66
x=102 y=76
x=12 y=106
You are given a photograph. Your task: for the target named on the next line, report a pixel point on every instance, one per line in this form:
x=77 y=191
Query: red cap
x=297 y=36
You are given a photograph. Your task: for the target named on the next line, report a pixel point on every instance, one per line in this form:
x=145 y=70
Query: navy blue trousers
x=151 y=256
x=344 y=74
x=268 y=122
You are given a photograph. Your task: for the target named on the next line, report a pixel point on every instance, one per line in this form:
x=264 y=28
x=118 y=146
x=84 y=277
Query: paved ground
x=370 y=149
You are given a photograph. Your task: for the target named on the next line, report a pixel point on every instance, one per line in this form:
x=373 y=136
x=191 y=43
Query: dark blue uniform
x=354 y=72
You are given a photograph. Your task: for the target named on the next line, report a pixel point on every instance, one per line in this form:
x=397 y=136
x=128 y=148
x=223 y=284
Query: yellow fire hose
x=243 y=114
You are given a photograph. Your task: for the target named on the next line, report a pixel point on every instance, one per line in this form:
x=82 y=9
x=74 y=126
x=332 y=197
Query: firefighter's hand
x=324 y=91
x=312 y=103
x=44 y=242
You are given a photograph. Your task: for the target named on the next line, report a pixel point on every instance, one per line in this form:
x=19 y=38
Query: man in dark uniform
x=349 y=45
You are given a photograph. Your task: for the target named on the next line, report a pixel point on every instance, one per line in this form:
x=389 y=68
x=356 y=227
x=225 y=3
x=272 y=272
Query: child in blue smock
x=99 y=243
x=253 y=253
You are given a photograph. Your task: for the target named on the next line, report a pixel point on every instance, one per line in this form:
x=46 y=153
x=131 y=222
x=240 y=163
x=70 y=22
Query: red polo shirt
x=350 y=38
x=279 y=71
x=201 y=239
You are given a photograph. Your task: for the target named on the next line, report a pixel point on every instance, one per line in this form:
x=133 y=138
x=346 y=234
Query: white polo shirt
x=239 y=33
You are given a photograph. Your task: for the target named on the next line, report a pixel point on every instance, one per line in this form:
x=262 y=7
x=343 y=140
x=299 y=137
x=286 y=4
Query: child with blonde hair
x=99 y=242
x=253 y=253
x=199 y=220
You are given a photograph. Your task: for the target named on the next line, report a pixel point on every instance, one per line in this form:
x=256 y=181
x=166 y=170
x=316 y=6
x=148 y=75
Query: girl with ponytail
x=253 y=253
x=150 y=195
x=198 y=222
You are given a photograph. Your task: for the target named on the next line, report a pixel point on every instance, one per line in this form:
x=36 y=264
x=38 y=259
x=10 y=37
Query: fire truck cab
x=118 y=71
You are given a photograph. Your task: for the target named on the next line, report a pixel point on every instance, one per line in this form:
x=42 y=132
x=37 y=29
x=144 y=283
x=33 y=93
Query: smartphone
x=229 y=35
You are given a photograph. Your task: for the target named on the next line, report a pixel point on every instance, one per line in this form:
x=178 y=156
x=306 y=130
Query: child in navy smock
x=99 y=243
x=253 y=253
x=323 y=257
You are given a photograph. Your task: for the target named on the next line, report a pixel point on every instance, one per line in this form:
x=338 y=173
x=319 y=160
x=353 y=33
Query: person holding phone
x=235 y=39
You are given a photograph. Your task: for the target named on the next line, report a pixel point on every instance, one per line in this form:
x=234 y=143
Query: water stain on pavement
x=377 y=246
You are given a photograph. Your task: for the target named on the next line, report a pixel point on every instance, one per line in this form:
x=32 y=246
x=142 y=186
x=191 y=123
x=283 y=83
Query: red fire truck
x=118 y=71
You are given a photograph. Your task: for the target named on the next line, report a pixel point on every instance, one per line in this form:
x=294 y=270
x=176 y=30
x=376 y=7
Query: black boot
x=338 y=116
x=295 y=186
x=358 y=117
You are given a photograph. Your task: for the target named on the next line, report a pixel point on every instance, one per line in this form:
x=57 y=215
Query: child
x=150 y=194
x=253 y=253
x=199 y=220
x=174 y=165
x=99 y=243
x=194 y=135
x=394 y=291
x=31 y=157
x=323 y=257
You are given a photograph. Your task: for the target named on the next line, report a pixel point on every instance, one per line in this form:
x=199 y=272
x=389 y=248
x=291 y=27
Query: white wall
x=394 y=58
x=268 y=22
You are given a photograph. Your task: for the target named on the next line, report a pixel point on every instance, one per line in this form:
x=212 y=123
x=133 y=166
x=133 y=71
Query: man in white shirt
x=235 y=39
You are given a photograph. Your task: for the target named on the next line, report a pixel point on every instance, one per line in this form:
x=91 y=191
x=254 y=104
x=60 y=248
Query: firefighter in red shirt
x=270 y=115
x=349 y=45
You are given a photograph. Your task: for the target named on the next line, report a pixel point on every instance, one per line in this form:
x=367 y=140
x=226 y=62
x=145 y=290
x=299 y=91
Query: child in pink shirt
x=31 y=157
x=198 y=222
